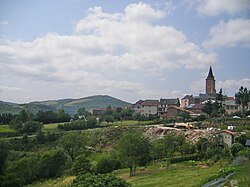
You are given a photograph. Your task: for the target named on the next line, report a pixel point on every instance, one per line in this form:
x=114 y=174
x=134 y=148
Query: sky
x=127 y=49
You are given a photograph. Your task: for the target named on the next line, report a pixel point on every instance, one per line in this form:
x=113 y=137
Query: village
x=185 y=112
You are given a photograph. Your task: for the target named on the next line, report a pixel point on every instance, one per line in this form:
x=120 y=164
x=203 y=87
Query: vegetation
x=242 y=97
x=100 y=180
x=101 y=149
x=134 y=151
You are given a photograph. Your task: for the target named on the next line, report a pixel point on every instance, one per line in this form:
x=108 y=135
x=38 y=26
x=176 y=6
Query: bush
x=107 y=165
x=236 y=148
x=37 y=166
x=79 y=124
x=81 y=165
x=100 y=180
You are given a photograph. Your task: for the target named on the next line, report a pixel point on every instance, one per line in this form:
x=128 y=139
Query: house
x=137 y=106
x=97 y=111
x=147 y=107
x=188 y=100
x=196 y=108
x=228 y=136
x=165 y=103
x=230 y=106
x=175 y=112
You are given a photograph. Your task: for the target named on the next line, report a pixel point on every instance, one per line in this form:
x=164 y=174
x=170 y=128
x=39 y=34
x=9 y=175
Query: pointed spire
x=210 y=73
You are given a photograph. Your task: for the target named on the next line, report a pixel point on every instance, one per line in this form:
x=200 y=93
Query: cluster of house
x=173 y=108
x=191 y=105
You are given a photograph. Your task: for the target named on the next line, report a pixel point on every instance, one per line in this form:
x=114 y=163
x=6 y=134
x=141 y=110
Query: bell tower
x=210 y=82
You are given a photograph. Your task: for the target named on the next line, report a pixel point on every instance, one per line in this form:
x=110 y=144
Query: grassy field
x=51 y=127
x=59 y=182
x=157 y=175
x=243 y=175
x=176 y=176
x=6 y=129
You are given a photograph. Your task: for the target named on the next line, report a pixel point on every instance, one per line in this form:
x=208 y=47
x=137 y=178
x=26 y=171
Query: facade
x=175 y=112
x=188 y=100
x=196 y=108
x=228 y=137
x=147 y=107
x=165 y=103
x=210 y=82
x=231 y=107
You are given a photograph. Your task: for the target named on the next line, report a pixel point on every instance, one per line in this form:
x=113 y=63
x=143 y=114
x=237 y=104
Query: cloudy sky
x=127 y=49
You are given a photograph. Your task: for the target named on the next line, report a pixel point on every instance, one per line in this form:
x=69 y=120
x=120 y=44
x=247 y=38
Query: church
x=210 y=93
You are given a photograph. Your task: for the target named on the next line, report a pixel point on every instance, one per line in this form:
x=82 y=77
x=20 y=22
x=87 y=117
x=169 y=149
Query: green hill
x=69 y=105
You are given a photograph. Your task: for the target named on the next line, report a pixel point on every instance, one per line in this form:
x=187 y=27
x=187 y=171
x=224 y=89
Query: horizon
x=149 y=50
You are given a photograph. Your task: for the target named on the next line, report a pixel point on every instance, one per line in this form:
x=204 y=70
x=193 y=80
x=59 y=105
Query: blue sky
x=127 y=49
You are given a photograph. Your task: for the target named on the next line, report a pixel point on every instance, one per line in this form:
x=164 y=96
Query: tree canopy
x=133 y=151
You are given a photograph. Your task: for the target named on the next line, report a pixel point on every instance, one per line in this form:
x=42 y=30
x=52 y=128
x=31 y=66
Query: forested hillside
x=68 y=105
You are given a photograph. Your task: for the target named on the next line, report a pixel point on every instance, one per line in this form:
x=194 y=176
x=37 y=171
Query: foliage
x=6 y=118
x=34 y=167
x=100 y=180
x=52 y=117
x=215 y=109
x=74 y=144
x=81 y=165
x=133 y=151
x=107 y=165
x=242 y=97
x=79 y=124
x=4 y=153
x=222 y=173
x=236 y=148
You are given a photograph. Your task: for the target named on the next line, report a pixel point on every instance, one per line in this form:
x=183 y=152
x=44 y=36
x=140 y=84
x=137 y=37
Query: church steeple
x=210 y=82
x=210 y=74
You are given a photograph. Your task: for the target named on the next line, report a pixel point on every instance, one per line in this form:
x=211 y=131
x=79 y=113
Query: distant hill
x=69 y=105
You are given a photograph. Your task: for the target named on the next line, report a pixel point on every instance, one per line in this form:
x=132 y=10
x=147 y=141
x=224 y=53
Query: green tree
x=109 y=119
x=4 y=154
x=100 y=180
x=134 y=150
x=208 y=108
x=172 y=143
x=242 y=98
x=236 y=148
x=81 y=165
x=74 y=144
x=40 y=137
x=107 y=165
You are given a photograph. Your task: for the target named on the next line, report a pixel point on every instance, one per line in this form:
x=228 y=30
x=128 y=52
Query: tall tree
x=74 y=144
x=134 y=151
x=242 y=98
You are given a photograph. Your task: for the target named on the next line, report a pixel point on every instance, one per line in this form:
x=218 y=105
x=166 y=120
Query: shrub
x=107 y=165
x=100 y=180
x=81 y=165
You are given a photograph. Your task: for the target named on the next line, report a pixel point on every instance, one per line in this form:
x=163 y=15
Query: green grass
x=178 y=175
x=243 y=175
x=51 y=127
x=59 y=182
x=6 y=129
x=156 y=175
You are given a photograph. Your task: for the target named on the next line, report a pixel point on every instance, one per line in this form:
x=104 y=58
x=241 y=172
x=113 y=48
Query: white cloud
x=231 y=33
x=232 y=86
x=229 y=87
x=216 y=7
x=4 y=23
x=104 y=47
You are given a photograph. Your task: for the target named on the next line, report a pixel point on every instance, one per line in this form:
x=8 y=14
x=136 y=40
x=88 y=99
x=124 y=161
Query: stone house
x=175 y=112
x=147 y=107
x=165 y=103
